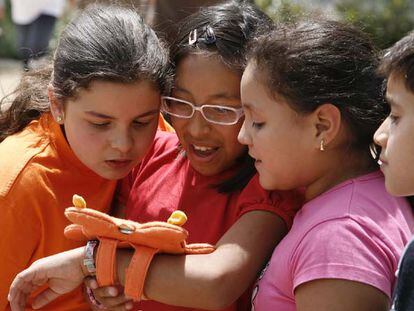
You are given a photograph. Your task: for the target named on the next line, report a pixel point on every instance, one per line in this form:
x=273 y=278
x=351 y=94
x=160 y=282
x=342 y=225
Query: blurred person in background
x=35 y=22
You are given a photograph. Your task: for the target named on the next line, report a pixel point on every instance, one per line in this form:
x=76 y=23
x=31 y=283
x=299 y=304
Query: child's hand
x=109 y=298
x=62 y=272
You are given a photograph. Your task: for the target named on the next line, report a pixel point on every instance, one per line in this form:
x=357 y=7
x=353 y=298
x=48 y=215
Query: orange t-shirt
x=39 y=173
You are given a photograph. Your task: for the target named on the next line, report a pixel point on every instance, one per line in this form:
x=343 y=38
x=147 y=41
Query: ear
x=56 y=106
x=327 y=124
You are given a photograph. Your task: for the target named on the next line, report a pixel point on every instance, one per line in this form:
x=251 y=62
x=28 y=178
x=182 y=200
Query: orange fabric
x=136 y=272
x=105 y=262
x=38 y=175
x=147 y=239
x=164 y=126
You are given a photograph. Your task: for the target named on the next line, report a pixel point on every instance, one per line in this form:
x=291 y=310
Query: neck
x=343 y=168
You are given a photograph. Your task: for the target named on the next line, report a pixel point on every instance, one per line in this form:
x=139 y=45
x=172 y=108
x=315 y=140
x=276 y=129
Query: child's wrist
x=89 y=256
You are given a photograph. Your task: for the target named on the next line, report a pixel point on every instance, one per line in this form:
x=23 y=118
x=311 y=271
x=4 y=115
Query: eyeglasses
x=216 y=114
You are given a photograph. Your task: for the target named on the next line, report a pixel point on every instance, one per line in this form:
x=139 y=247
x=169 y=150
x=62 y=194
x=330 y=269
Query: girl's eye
x=257 y=125
x=394 y=119
x=99 y=125
x=140 y=123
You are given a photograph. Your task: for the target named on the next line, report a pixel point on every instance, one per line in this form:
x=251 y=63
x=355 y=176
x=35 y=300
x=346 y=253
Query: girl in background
x=395 y=136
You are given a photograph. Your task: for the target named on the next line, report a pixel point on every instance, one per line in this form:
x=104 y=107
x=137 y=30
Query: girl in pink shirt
x=312 y=102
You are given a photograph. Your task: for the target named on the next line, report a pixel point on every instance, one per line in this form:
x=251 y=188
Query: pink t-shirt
x=355 y=231
x=165 y=182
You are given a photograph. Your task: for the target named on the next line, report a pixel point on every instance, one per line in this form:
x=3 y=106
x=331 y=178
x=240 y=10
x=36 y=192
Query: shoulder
x=164 y=142
x=344 y=249
x=163 y=152
x=283 y=203
x=17 y=154
x=363 y=199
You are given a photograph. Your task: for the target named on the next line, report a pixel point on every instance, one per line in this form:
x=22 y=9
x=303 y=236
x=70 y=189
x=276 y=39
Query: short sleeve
x=285 y=204
x=343 y=249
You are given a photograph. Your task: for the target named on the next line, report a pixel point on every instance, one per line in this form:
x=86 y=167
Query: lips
x=118 y=163
x=203 y=151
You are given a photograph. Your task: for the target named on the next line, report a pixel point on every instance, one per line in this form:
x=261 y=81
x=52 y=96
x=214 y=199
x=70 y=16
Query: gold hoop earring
x=322 y=145
x=59 y=119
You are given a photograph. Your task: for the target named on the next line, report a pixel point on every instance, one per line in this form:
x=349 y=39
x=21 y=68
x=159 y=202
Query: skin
x=395 y=136
x=194 y=83
x=286 y=146
x=216 y=279
x=110 y=126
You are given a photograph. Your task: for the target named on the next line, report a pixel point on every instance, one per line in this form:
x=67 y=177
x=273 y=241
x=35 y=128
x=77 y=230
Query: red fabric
x=165 y=182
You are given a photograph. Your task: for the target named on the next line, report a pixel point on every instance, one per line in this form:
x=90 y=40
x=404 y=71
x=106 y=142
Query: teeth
x=201 y=148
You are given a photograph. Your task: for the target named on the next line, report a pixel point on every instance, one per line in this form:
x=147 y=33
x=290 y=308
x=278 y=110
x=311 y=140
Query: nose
x=381 y=135
x=198 y=126
x=122 y=140
x=244 y=136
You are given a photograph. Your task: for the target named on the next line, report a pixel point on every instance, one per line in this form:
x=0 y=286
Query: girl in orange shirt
x=96 y=122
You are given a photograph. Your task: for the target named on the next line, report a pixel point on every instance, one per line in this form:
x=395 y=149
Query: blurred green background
x=385 y=20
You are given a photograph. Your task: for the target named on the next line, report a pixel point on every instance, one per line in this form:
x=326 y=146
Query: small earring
x=322 y=145
x=59 y=119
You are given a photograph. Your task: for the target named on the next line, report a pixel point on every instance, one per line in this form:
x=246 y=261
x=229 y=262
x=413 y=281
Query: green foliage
x=283 y=10
x=8 y=36
x=386 y=20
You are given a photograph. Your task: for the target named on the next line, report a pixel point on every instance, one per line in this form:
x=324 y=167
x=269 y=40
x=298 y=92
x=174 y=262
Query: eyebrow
x=104 y=116
x=248 y=106
x=391 y=102
x=215 y=96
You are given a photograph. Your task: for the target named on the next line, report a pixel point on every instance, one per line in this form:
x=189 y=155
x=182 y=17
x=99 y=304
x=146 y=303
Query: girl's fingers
x=22 y=286
x=105 y=292
x=111 y=303
x=91 y=282
x=124 y=307
x=44 y=298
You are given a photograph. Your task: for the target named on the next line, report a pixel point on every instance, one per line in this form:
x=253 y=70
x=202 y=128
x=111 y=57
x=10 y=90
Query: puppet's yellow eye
x=177 y=218
x=78 y=201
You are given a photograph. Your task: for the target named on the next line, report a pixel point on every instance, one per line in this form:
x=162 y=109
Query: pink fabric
x=355 y=231
x=166 y=182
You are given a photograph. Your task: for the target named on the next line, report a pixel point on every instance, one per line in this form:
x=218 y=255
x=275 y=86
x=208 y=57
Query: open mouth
x=203 y=151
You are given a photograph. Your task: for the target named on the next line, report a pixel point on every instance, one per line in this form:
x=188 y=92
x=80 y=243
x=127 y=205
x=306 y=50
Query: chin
x=398 y=190
x=267 y=183
x=112 y=175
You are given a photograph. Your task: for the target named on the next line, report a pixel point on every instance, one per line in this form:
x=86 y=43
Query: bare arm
x=219 y=278
x=216 y=279
x=339 y=295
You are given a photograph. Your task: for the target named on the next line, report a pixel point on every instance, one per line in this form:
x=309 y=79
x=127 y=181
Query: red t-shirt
x=165 y=182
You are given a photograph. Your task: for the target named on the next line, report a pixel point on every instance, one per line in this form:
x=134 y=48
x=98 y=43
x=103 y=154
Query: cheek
x=143 y=141
x=85 y=141
x=179 y=125
x=230 y=137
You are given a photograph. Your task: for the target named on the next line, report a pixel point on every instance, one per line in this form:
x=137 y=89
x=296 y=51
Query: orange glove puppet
x=147 y=239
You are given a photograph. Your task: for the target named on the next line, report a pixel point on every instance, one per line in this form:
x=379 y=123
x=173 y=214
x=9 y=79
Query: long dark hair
x=109 y=43
x=316 y=62
x=225 y=31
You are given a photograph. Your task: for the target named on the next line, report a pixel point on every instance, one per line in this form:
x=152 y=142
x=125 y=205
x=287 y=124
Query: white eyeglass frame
x=239 y=111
